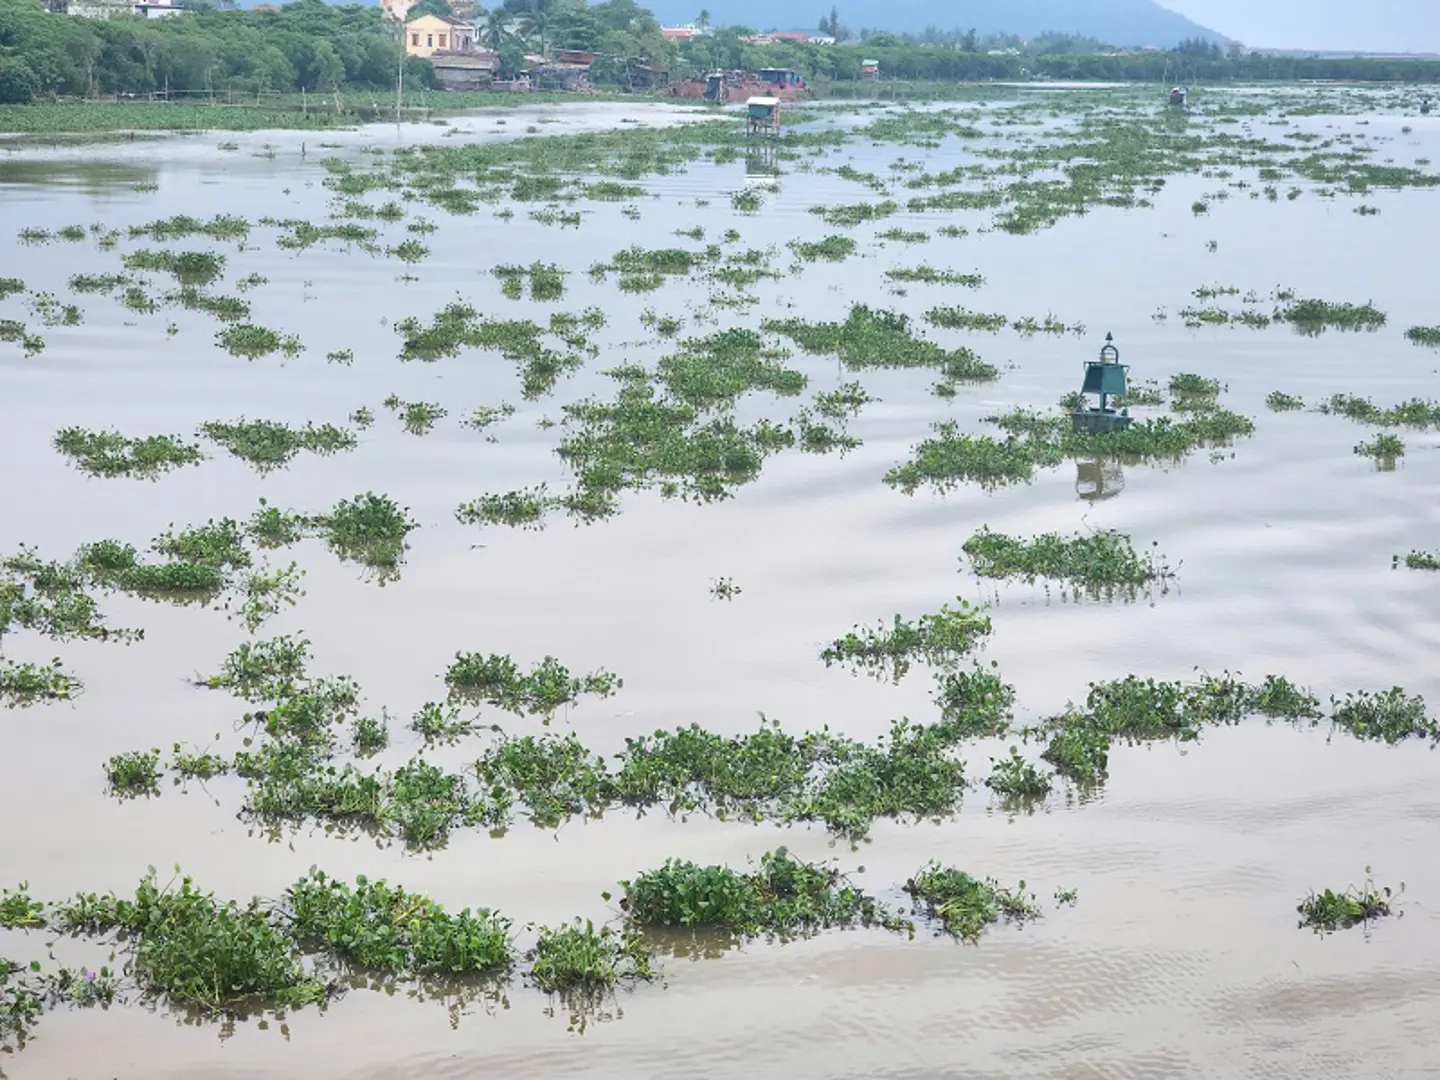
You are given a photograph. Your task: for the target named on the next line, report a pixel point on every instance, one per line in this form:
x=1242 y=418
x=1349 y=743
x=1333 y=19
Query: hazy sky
x=1371 y=25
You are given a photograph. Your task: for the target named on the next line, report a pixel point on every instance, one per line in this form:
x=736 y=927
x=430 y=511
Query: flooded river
x=1181 y=957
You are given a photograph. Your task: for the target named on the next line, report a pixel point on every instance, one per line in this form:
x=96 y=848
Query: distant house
x=158 y=9
x=870 y=69
x=104 y=9
x=472 y=70
x=578 y=57
x=681 y=33
x=431 y=34
x=793 y=37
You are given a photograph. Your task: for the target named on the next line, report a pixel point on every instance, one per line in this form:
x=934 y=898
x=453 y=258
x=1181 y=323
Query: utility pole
x=400 y=74
x=397 y=10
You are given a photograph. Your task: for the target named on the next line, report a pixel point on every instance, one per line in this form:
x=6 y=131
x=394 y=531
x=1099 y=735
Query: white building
x=104 y=9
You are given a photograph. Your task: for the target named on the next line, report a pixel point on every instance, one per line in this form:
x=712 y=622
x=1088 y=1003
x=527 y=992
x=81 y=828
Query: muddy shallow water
x=1181 y=958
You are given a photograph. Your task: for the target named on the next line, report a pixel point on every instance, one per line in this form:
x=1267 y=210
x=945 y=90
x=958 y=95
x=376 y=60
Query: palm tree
x=495 y=31
x=537 y=19
x=703 y=22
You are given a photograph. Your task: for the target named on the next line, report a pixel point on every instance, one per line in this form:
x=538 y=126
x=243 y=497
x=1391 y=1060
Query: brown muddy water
x=1181 y=958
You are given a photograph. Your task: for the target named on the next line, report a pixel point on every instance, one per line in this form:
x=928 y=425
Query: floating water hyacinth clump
x=1278 y=401
x=111 y=454
x=498 y=680
x=1385 y=449
x=1359 y=905
x=938 y=639
x=270 y=444
x=1418 y=560
x=783 y=897
x=24 y=684
x=963 y=905
x=1101 y=564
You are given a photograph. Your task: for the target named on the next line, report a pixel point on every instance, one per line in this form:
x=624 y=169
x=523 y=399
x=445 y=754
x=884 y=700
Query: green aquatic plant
x=547 y=281
x=963 y=905
x=134 y=774
x=263 y=670
x=263 y=594
x=928 y=275
x=271 y=527
x=270 y=444
x=844 y=401
x=578 y=958
x=725 y=589
x=870 y=338
x=1389 y=716
x=958 y=318
x=50 y=598
x=376 y=927
x=1193 y=393
x=216 y=543
x=1015 y=778
x=110 y=454
x=229 y=309
x=117 y=565
x=939 y=639
x=186 y=947
x=498 y=681
x=974 y=703
x=524 y=509
x=19 y=912
x=950 y=457
x=182 y=226
x=904 y=236
x=853 y=214
x=369 y=735
x=747 y=201
x=188 y=267
x=300 y=235
x=1279 y=697
x=51 y=312
x=1329 y=911
x=1424 y=335
x=783 y=897
x=638 y=260
x=1100 y=563
x=16 y=332
x=23 y=684
x=417 y=416
x=369 y=529
x=1310 y=316
x=1416 y=412
x=252 y=342
x=715 y=371
x=12 y=286
x=410 y=251
x=189 y=765
x=833 y=248
x=553 y=777
x=1034 y=441
x=1418 y=560
x=1277 y=401
x=1080 y=753
x=21 y=1004
x=487 y=415
x=1384 y=449
x=434 y=723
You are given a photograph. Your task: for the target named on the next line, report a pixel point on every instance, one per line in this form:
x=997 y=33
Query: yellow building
x=430 y=34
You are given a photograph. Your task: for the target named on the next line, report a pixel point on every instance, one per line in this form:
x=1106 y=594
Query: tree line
x=313 y=46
